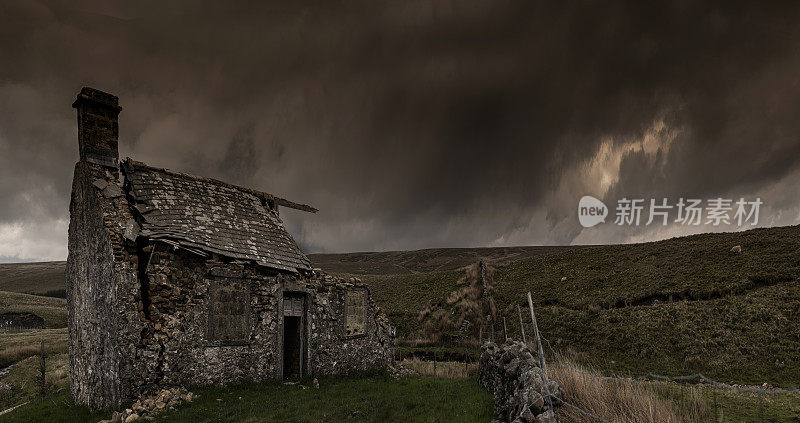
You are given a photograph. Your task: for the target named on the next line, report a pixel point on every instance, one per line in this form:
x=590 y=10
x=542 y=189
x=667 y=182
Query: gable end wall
x=100 y=280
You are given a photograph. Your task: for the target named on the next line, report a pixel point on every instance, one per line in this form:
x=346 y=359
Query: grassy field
x=672 y=307
x=450 y=397
x=19 y=345
x=748 y=407
x=422 y=261
x=402 y=297
x=626 y=400
x=23 y=378
x=374 y=398
x=33 y=278
x=749 y=339
x=52 y=310
x=695 y=268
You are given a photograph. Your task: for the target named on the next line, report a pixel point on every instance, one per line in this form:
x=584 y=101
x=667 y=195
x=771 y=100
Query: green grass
x=369 y=398
x=740 y=313
x=375 y=398
x=403 y=296
x=57 y=407
x=421 y=261
x=693 y=267
x=749 y=407
x=724 y=405
x=732 y=339
x=671 y=307
x=33 y=278
x=442 y=352
x=52 y=310
x=24 y=380
x=19 y=345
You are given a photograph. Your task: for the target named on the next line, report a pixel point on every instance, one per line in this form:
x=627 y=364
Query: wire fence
x=681 y=379
x=500 y=336
x=499 y=331
x=687 y=378
x=582 y=411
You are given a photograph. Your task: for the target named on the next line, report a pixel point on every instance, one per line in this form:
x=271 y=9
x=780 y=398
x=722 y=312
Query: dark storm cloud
x=411 y=124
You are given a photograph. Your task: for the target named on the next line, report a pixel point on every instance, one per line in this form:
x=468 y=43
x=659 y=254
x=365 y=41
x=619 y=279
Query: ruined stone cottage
x=175 y=279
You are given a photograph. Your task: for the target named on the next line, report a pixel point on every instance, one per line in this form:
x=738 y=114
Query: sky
x=413 y=124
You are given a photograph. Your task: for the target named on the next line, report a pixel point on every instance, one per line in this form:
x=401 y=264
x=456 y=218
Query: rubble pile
x=398 y=370
x=512 y=374
x=148 y=405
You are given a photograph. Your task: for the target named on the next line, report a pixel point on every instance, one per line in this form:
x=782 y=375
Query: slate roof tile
x=212 y=216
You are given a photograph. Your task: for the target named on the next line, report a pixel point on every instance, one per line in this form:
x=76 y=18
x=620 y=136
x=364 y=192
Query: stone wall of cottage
x=139 y=309
x=176 y=348
x=173 y=347
x=333 y=351
x=98 y=275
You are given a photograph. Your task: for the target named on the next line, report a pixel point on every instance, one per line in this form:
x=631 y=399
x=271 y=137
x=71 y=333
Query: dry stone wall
x=512 y=374
x=20 y=320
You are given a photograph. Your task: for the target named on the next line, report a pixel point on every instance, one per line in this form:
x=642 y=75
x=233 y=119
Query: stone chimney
x=98 y=128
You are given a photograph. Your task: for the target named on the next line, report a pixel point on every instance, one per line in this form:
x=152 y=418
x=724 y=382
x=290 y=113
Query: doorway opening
x=293 y=339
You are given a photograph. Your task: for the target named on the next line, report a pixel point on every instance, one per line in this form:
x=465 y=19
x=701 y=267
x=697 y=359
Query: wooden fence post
x=505 y=330
x=539 y=348
x=716 y=419
x=43 y=371
x=521 y=326
x=540 y=351
x=683 y=401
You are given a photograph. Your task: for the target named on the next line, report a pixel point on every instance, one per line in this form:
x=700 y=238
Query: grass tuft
x=620 y=400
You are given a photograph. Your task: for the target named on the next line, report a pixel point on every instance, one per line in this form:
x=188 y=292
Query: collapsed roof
x=213 y=216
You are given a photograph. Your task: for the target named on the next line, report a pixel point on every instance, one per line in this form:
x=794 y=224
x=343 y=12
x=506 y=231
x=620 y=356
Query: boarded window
x=355 y=312
x=230 y=311
x=293 y=305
